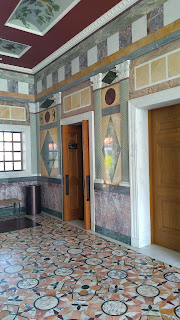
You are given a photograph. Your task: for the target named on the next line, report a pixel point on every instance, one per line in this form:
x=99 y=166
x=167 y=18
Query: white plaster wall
x=61 y=74
x=113 y=44
x=75 y=65
x=92 y=56
x=171 y=11
x=139 y=29
x=3 y=85
x=23 y=87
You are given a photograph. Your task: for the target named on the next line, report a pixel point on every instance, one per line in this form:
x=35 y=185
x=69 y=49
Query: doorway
x=164 y=151
x=78 y=168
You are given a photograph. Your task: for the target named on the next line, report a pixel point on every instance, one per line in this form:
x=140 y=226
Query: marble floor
x=58 y=271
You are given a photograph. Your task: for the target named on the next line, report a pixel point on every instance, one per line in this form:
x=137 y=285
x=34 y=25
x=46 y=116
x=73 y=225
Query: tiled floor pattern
x=56 y=271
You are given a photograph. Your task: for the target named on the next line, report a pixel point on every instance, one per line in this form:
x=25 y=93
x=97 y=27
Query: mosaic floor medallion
x=177 y=311
x=119 y=253
x=14 y=269
x=63 y=272
x=93 y=261
x=114 y=308
x=46 y=303
x=148 y=291
x=172 y=276
x=4 y=256
x=27 y=283
x=117 y=274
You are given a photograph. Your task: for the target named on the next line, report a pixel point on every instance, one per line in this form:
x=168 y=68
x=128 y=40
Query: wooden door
x=72 y=172
x=86 y=175
x=164 y=124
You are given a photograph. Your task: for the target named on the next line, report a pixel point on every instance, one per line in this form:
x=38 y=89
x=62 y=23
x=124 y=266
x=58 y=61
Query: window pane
x=8 y=166
x=8 y=156
x=1 y=136
x=17 y=146
x=1 y=146
x=8 y=146
x=17 y=165
x=7 y=136
x=1 y=156
x=16 y=136
x=17 y=155
x=1 y=166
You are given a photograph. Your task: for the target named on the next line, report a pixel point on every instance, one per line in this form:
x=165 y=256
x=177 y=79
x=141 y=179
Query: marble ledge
x=112 y=188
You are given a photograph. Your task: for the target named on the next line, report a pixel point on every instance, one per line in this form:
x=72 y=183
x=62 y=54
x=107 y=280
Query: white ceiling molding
x=93 y=27
x=15 y=68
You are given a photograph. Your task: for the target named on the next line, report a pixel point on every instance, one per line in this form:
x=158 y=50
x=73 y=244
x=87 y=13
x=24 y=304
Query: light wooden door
x=164 y=124
x=72 y=172
x=86 y=175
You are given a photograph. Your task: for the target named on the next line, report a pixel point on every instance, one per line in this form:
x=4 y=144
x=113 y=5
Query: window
x=10 y=151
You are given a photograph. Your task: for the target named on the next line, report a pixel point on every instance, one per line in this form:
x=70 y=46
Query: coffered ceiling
x=32 y=30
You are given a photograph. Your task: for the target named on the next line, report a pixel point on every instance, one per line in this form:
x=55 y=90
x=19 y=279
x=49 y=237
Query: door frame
x=74 y=120
x=139 y=160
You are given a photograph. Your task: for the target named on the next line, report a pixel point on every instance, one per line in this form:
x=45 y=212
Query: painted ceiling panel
x=39 y=16
x=12 y=49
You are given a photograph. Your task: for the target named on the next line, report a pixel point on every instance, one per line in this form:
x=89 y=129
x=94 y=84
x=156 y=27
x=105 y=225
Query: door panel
x=72 y=172
x=86 y=175
x=165 y=176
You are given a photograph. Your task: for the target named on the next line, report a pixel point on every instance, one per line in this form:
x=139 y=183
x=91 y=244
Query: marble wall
x=112 y=213
x=51 y=196
x=14 y=190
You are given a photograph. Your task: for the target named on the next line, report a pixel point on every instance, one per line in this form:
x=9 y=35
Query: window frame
x=13 y=151
x=26 y=151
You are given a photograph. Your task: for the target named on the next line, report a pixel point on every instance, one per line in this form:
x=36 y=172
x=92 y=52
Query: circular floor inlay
x=13 y=269
x=33 y=249
x=59 y=242
x=117 y=274
x=119 y=253
x=46 y=303
x=74 y=251
x=172 y=276
x=114 y=308
x=28 y=283
x=148 y=291
x=65 y=271
x=93 y=261
x=5 y=256
x=177 y=311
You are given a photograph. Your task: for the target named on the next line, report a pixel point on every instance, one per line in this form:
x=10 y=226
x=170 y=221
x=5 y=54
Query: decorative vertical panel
x=48 y=116
x=49 y=152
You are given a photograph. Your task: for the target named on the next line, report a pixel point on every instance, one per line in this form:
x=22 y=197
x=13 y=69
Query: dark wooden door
x=72 y=172
x=165 y=176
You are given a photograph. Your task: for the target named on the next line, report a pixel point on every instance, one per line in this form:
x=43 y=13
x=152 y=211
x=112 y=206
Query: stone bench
x=13 y=201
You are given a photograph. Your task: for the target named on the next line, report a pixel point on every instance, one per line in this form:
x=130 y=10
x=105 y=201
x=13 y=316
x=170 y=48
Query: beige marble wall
x=76 y=100
x=156 y=71
x=14 y=113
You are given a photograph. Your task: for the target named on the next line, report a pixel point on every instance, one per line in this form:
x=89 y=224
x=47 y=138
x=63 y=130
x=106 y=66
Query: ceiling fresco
x=44 y=26
x=12 y=49
x=39 y=16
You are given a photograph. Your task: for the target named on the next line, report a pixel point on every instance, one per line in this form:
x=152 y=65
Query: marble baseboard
x=114 y=235
x=52 y=212
x=10 y=211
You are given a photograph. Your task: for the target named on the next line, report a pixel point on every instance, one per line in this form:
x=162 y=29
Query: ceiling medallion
x=39 y=16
